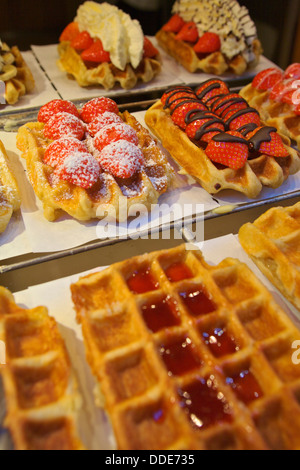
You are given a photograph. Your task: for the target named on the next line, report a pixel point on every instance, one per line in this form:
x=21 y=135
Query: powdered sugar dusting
x=103 y=120
x=64 y=125
x=122 y=159
x=80 y=168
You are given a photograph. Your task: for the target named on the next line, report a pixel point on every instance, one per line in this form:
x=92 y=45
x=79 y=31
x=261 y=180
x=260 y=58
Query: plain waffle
x=273 y=243
x=10 y=199
x=215 y=63
x=249 y=180
x=109 y=196
x=16 y=74
x=41 y=393
x=274 y=113
x=165 y=328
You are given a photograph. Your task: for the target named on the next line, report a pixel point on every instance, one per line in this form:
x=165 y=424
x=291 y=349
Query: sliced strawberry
x=266 y=79
x=293 y=71
x=208 y=43
x=204 y=129
x=184 y=110
x=266 y=140
x=82 y=41
x=102 y=120
x=64 y=125
x=179 y=97
x=167 y=96
x=122 y=159
x=59 y=149
x=211 y=88
x=95 y=54
x=112 y=133
x=188 y=32
x=226 y=103
x=80 y=169
x=70 y=32
x=285 y=91
x=174 y=25
x=149 y=49
x=56 y=106
x=97 y=106
x=236 y=119
x=229 y=149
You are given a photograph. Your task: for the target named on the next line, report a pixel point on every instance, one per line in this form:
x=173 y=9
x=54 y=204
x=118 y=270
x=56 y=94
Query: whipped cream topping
x=121 y=36
x=226 y=18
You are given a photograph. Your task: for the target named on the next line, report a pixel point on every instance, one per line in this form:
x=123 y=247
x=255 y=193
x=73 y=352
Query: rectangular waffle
x=10 y=199
x=165 y=328
x=110 y=195
x=273 y=243
x=41 y=393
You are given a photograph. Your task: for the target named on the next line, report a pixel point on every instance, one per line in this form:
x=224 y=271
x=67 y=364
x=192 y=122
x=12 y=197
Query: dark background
x=41 y=22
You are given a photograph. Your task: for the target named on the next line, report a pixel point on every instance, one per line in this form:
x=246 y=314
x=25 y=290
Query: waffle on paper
x=16 y=74
x=273 y=243
x=163 y=329
x=41 y=394
x=10 y=199
x=109 y=195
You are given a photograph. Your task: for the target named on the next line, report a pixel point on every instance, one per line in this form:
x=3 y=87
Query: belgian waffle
x=10 y=199
x=41 y=394
x=274 y=113
x=105 y=74
x=16 y=74
x=263 y=170
x=215 y=63
x=109 y=196
x=273 y=243
x=165 y=328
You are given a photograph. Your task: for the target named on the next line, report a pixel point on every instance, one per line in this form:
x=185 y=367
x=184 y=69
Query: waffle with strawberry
x=276 y=95
x=211 y=36
x=10 y=198
x=92 y=162
x=217 y=138
x=104 y=46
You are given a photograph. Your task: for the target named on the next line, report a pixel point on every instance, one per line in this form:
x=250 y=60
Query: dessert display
x=165 y=328
x=104 y=46
x=216 y=137
x=10 y=198
x=41 y=394
x=212 y=36
x=15 y=73
x=273 y=243
x=92 y=162
x=276 y=95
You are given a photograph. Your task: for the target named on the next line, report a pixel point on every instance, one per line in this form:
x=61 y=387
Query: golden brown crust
x=10 y=198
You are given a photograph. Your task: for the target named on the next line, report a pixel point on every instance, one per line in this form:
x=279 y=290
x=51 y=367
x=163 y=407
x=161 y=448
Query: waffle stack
x=15 y=73
x=110 y=195
x=273 y=243
x=40 y=391
x=188 y=355
x=10 y=199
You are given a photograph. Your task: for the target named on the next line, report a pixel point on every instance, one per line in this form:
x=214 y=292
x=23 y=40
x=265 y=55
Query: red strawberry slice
x=189 y=32
x=80 y=169
x=266 y=79
x=122 y=159
x=168 y=95
x=103 y=120
x=266 y=140
x=82 y=41
x=211 y=88
x=229 y=149
x=293 y=71
x=59 y=149
x=64 y=125
x=97 y=106
x=175 y=99
x=184 y=109
x=56 y=106
x=112 y=133
x=226 y=103
x=205 y=127
x=149 y=49
x=208 y=43
x=236 y=119
x=70 y=32
x=95 y=54
x=174 y=25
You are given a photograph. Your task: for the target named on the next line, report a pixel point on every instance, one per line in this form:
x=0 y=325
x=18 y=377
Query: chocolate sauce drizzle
x=209 y=88
x=262 y=135
x=205 y=127
x=174 y=92
x=229 y=138
x=239 y=113
x=227 y=103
